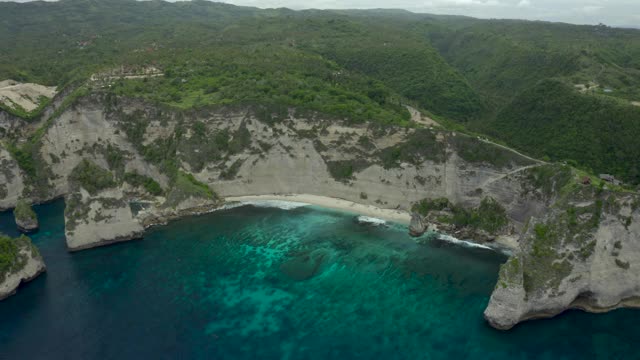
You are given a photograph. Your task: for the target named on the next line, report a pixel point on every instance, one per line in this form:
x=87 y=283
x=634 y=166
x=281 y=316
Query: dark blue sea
x=268 y=283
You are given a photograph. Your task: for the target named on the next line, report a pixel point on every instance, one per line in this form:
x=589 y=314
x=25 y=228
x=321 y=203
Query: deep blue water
x=264 y=283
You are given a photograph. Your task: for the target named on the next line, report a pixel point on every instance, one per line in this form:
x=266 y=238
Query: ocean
x=297 y=282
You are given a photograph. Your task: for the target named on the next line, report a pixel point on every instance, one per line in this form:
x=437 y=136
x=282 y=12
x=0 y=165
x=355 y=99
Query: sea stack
x=417 y=226
x=26 y=218
x=23 y=264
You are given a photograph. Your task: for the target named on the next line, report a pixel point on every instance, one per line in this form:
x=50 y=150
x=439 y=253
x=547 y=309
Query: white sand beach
x=398 y=216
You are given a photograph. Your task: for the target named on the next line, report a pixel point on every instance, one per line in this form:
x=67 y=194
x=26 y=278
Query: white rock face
x=73 y=136
x=287 y=163
x=92 y=221
x=11 y=181
x=609 y=278
x=15 y=95
x=33 y=267
x=295 y=156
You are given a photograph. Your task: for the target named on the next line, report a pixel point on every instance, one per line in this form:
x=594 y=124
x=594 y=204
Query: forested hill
x=560 y=91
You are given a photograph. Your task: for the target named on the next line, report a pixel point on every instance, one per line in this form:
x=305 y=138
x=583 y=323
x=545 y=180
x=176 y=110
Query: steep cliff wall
x=11 y=180
x=124 y=165
x=235 y=151
x=583 y=253
x=21 y=262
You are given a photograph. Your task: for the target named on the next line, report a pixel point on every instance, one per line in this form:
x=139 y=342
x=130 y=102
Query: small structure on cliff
x=610 y=178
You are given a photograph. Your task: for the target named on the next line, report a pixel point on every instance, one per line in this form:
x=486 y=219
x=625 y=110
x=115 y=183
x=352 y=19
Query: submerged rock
x=306 y=265
x=21 y=263
x=26 y=218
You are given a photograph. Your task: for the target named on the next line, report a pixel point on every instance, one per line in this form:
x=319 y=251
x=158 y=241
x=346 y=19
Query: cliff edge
x=20 y=262
x=582 y=254
x=26 y=219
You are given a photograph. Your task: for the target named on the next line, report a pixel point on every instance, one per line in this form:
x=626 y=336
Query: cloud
x=524 y=3
x=592 y=9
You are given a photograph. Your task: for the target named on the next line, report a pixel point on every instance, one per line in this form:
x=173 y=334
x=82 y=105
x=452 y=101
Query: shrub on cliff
x=24 y=211
x=10 y=258
x=186 y=186
x=425 y=206
x=91 y=177
x=420 y=145
x=489 y=216
x=150 y=185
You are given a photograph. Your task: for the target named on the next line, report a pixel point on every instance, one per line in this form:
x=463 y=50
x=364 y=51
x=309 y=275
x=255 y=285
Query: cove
x=268 y=283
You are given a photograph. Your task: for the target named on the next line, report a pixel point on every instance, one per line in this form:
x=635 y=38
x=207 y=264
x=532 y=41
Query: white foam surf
x=280 y=204
x=371 y=220
x=464 y=243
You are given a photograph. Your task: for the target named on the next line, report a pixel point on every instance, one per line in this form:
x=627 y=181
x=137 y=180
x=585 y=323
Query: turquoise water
x=265 y=283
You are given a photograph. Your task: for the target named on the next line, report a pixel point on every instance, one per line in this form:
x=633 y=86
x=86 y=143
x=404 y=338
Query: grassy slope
x=526 y=71
x=355 y=64
x=550 y=119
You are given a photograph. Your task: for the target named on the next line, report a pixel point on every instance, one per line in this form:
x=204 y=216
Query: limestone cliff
x=237 y=151
x=21 y=262
x=97 y=220
x=11 y=180
x=583 y=253
x=125 y=164
x=25 y=217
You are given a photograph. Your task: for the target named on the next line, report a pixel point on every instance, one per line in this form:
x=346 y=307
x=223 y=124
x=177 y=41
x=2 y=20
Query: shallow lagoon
x=302 y=283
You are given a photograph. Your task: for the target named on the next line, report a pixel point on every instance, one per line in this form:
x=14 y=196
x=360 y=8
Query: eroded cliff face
x=27 y=265
x=241 y=151
x=101 y=219
x=583 y=253
x=124 y=165
x=235 y=151
x=11 y=180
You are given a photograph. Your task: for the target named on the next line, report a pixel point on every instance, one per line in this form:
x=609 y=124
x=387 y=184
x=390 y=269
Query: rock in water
x=22 y=262
x=417 y=226
x=25 y=217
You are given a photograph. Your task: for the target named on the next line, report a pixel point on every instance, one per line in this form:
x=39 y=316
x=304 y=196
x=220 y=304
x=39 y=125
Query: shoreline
x=398 y=216
x=503 y=244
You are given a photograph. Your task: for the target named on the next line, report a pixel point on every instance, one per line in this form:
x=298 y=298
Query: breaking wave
x=280 y=204
x=464 y=243
x=371 y=220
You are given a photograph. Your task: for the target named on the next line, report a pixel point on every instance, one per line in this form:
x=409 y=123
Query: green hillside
x=547 y=89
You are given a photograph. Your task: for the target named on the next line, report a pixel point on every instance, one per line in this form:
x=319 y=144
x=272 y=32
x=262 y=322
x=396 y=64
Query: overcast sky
x=610 y=12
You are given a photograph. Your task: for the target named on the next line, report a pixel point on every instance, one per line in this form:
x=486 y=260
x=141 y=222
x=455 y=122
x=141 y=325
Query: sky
x=610 y=12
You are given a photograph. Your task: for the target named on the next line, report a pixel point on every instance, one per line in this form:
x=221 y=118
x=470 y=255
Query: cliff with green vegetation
x=581 y=254
x=26 y=218
x=126 y=163
x=529 y=84
x=165 y=112
x=20 y=262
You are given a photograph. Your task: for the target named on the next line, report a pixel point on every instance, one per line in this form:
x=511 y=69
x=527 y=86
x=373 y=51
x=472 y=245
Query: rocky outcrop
x=25 y=266
x=26 y=219
x=173 y=161
x=418 y=226
x=11 y=180
x=102 y=219
x=292 y=155
x=581 y=255
x=154 y=215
